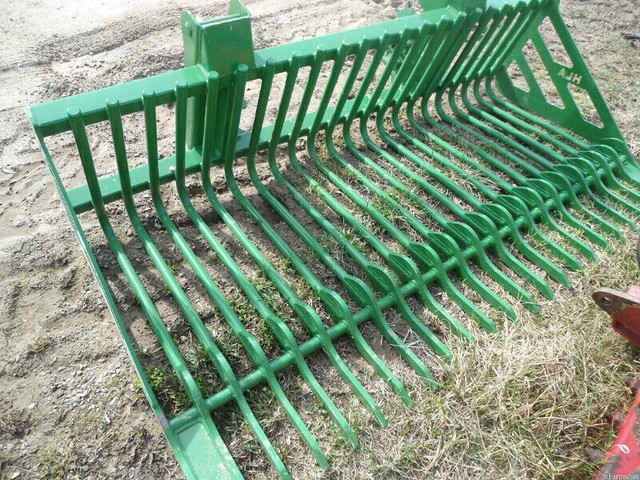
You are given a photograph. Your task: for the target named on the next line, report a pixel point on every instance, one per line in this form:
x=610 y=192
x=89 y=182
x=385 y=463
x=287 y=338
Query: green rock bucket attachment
x=390 y=159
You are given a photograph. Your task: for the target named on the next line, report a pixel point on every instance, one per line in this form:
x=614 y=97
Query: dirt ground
x=70 y=403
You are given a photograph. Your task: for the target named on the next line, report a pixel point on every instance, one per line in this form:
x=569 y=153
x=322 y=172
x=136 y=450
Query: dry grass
x=523 y=403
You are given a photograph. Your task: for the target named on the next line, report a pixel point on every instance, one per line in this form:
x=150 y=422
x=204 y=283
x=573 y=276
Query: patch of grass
x=167 y=387
x=55 y=463
x=173 y=264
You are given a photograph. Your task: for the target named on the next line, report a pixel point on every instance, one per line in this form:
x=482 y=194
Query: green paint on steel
x=423 y=164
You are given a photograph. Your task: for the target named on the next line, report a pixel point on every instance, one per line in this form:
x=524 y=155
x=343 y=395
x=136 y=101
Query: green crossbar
x=425 y=156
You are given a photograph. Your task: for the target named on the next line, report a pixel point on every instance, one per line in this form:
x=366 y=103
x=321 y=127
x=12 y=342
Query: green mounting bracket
x=218 y=45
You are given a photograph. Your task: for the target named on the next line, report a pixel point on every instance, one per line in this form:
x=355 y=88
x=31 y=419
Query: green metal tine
x=545 y=188
x=575 y=174
x=600 y=162
x=395 y=110
x=391 y=257
x=115 y=120
x=282 y=332
x=226 y=465
x=566 y=186
x=597 y=154
x=486 y=227
x=474 y=244
x=497 y=244
x=537 y=205
x=379 y=277
x=402 y=265
x=252 y=347
x=620 y=165
x=590 y=172
x=487 y=140
x=491 y=65
x=355 y=385
x=532 y=198
x=356 y=288
x=514 y=204
x=415 y=223
x=494 y=106
x=464 y=234
x=501 y=41
x=332 y=300
x=531 y=119
x=326 y=295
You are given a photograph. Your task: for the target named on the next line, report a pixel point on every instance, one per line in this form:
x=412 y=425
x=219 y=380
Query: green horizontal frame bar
x=51 y=118
x=80 y=197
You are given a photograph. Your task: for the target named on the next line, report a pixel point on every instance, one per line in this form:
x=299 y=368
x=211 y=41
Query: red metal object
x=623 y=459
x=624 y=309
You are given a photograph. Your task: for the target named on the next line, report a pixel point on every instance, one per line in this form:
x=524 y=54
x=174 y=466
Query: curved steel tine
x=364 y=297
x=576 y=175
x=588 y=169
x=502 y=217
x=407 y=270
x=518 y=209
x=485 y=226
x=598 y=159
x=384 y=281
x=338 y=308
x=534 y=201
x=448 y=248
x=547 y=189
x=514 y=204
x=203 y=335
x=484 y=262
x=466 y=235
x=622 y=165
x=562 y=183
x=429 y=257
x=541 y=184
